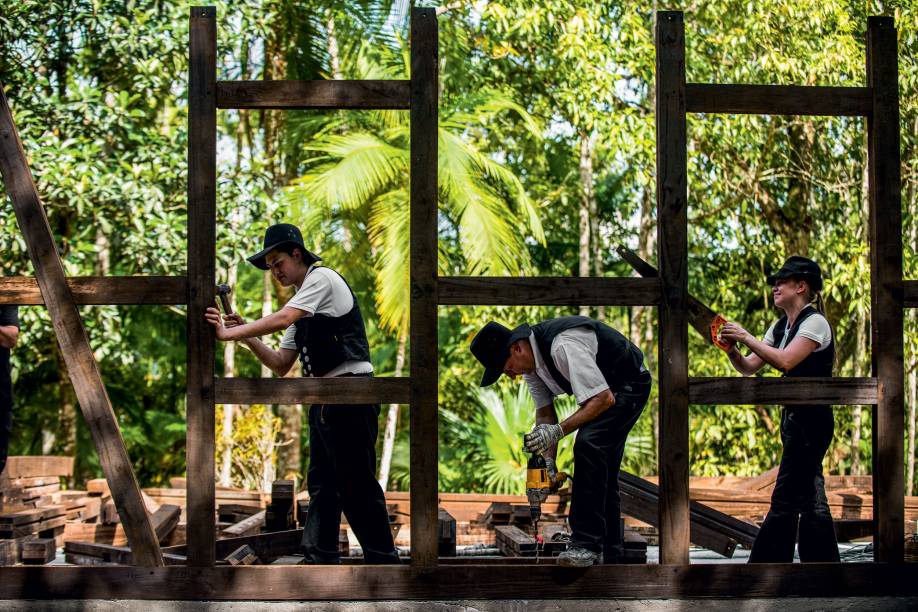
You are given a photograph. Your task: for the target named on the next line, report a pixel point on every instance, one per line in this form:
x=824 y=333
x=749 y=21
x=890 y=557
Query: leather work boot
x=578 y=557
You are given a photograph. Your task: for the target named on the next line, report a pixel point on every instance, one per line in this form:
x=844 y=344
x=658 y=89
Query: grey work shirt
x=574 y=354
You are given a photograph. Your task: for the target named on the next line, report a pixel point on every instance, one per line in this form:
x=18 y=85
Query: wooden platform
x=342 y=583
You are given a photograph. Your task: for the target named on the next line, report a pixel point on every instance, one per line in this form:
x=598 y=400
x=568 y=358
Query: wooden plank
x=38 y=551
x=95 y=532
x=886 y=288
x=73 y=340
x=375 y=390
x=548 y=291
x=94 y=290
x=672 y=238
x=737 y=99
x=462 y=582
x=31 y=466
x=164 y=520
x=446 y=534
x=9 y=552
x=265 y=545
x=202 y=194
x=314 y=94
x=911 y=293
x=99 y=554
x=423 y=317
x=735 y=390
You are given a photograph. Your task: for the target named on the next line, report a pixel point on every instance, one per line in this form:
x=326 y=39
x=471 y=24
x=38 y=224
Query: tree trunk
x=586 y=189
x=913 y=320
x=63 y=439
x=385 y=458
x=861 y=355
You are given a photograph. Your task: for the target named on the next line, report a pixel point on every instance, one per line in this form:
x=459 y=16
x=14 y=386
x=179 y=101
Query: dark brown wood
x=38 y=551
x=165 y=520
x=446 y=534
x=461 y=582
x=265 y=545
x=910 y=290
x=312 y=390
x=247 y=526
x=672 y=238
x=89 y=553
x=886 y=289
x=94 y=290
x=423 y=318
x=549 y=291
x=9 y=552
x=314 y=94
x=772 y=390
x=30 y=466
x=73 y=340
x=778 y=100
x=202 y=190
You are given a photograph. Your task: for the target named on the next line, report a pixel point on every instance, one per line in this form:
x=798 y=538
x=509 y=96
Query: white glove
x=542 y=437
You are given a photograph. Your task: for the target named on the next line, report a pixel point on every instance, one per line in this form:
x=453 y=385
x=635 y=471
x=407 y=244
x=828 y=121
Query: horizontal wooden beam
x=547 y=291
x=359 y=582
x=314 y=94
x=736 y=390
x=98 y=290
x=911 y=293
x=778 y=100
x=343 y=390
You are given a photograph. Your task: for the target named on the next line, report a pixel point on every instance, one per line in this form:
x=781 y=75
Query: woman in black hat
x=800 y=343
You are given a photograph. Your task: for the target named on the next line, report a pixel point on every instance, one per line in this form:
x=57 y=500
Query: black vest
x=324 y=342
x=817 y=363
x=618 y=359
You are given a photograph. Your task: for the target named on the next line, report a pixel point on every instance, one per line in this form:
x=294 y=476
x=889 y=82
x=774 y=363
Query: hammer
x=223 y=292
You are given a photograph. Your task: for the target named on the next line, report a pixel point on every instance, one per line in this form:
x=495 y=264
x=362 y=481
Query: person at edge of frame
x=9 y=336
x=800 y=343
x=325 y=330
x=605 y=372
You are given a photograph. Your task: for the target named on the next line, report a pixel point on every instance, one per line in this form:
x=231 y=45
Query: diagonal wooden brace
x=74 y=343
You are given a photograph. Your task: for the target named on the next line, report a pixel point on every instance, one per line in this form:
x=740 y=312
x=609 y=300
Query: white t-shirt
x=574 y=354
x=815 y=327
x=324 y=292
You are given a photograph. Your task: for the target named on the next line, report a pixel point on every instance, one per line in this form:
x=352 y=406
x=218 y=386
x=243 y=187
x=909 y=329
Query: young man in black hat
x=800 y=343
x=324 y=329
x=9 y=335
x=587 y=359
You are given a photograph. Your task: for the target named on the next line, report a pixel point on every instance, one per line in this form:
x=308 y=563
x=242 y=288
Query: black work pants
x=342 y=477
x=799 y=498
x=595 y=516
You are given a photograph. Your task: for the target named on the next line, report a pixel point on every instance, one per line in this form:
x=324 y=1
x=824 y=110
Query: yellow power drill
x=539 y=485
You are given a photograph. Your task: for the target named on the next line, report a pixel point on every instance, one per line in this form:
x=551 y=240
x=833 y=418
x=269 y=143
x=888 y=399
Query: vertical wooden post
x=672 y=232
x=74 y=344
x=886 y=289
x=423 y=320
x=202 y=190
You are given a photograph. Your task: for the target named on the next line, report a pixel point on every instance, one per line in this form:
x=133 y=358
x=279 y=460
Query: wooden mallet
x=223 y=292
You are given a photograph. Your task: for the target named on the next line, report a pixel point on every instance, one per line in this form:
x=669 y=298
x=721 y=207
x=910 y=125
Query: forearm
x=268 y=356
x=588 y=411
x=740 y=363
x=774 y=357
x=9 y=335
x=266 y=325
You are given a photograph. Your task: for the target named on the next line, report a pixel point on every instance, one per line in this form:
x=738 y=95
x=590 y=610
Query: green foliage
x=254 y=444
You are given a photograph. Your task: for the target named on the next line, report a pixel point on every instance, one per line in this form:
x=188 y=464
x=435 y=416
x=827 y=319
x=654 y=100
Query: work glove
x=551 y=468
x=542 y=437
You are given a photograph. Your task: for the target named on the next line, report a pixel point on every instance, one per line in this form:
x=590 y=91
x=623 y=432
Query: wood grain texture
x=548 y=291
x=738 y=391
x=96 y=290
x=423 y=318
x=672 y=240
x=202 y=189
x=312 y=390
x=314 y=94
x=778 y=100
x=886 y=302
x=460 y=582
x=74 y=342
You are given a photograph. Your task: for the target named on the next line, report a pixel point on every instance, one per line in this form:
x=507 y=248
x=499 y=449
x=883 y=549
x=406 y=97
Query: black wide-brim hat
x=278 y=235
x=798 y=267
x=491 y=346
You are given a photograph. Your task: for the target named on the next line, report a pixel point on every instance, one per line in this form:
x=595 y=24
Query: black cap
x=280 y=234
x=491 y=346
x=800 y=268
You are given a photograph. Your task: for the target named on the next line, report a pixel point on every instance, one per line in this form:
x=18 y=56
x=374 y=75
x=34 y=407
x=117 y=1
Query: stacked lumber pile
x=33 y=509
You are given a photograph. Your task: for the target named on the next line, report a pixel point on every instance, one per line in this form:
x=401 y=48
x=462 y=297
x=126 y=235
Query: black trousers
x=595 y=516
x=799 y=499
x=6 y=427
x=342 y=477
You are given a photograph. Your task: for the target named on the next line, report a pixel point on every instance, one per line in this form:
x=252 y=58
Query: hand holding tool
x=542 y=437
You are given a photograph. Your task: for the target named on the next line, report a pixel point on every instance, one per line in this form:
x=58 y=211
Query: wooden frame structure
x=425 y=578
